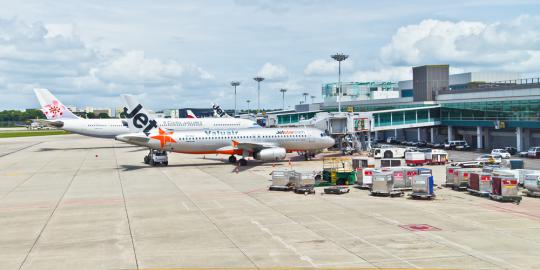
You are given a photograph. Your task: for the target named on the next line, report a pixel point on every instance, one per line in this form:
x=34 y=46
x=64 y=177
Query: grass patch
x=14 y=134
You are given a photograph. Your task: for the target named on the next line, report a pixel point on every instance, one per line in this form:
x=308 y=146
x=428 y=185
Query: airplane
x=266 y=144
x=60 y=117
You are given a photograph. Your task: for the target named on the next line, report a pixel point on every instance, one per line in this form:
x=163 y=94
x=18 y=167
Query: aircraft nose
x=330 y=141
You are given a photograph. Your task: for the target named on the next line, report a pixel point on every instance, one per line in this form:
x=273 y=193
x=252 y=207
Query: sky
x=176 y=54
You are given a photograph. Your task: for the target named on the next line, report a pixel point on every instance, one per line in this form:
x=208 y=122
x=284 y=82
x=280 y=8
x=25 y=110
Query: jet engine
x=270 y=154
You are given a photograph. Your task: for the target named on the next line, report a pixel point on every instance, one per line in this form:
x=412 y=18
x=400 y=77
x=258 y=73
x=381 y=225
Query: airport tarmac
x=73 y=202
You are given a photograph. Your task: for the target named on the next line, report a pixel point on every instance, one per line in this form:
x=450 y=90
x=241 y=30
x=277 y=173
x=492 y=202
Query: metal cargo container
x=424 y=171
x=521 y=173
x=504 y=188
x=362 y=162
x=303 y=178
x=480 y=183
x=451 y=172
x=532 y=184
x=281 y=179
x=462 y=180
x=422 y=187
x=364 y=177
x=516 y=164
x=390 y=162
x=383 y=184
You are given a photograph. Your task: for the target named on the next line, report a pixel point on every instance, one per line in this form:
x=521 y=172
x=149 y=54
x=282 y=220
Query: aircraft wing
x=253 y=145
x=51 y=123
x=135 y=139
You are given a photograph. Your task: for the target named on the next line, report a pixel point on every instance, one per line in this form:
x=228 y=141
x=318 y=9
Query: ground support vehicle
x=505 y=189
x=383 y=185
x=532 y=185
x=422 y=187
x=480 y=184
x=281 y=180
x=338 y=190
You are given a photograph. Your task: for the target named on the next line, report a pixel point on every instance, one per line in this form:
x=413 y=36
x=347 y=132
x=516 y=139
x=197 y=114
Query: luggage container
x=438 y=157
x=364 y=177
x=451 y=172
x=362 y=162
x=422 y=187
x=461 y=182
x=516 y=164
x=390 y=162
x=424 y=171
x=302 y=178
x=521 y=173
x=383 y=185
x=532 y=184
x=480 y=183
x=504 y=189
x=338 y=190
x=415 y=158
x=281 y=180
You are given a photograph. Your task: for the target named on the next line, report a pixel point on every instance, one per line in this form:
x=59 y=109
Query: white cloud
x=326 y=67
x=273 y=72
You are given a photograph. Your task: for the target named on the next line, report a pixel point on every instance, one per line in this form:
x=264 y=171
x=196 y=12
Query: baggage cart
x=390 y=162
x=504 y=189
x=309 y=189
x=480 y=184
x=422 y=187
x=461 y=182
x=451 y=172
x=364 y=177
x=338 y=190
x=281 y=180
x=362 y=162
x=415 y=158
x=532 y=185
x=437 y=157
x=383 y=185
x=522 y=173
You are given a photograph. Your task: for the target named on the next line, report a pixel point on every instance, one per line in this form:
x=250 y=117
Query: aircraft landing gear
x=232 y=159
x=243 y=162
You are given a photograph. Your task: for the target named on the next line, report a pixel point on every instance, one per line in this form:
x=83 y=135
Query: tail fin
x=51 y=106
x=190 y=114
x=139 y=120
x=218 y=112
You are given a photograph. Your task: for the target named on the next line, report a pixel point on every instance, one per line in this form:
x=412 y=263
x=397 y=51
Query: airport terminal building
x=486 y=109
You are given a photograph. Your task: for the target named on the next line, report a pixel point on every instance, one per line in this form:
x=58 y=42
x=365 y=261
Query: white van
x=457 y=145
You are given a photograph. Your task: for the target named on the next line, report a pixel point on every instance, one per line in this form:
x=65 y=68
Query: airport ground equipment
x=339 y=170
x=402 y=177
x=532 y=184
x=516 y=164
x=383 y=185
x=424 y=171
x=436 y=157
x=451 y=173
x=504 y=189
x=301 y=179
x=461 y=182
x=281 y=180
x=156 y=157
x=390 y=162
x=480 y=184
x=362 y=162
x=364 y=177
x=422 y=187
x=309 y=189
x=522 y=173
x=415 y=158
x=338 y=190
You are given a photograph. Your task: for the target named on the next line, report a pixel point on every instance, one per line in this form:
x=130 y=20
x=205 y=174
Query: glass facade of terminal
x=358 y=90
x=510 y=110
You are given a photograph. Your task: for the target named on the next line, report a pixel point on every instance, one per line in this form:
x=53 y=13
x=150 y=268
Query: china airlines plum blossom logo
x=54 y=110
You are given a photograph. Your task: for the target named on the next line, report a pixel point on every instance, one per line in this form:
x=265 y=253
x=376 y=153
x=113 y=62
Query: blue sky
x=185 y=53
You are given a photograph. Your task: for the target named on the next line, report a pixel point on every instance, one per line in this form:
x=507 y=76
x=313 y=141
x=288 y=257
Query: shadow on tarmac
x=47 y=149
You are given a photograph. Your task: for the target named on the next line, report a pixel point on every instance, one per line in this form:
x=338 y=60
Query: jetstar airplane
x=266 y=144
x=59 y=116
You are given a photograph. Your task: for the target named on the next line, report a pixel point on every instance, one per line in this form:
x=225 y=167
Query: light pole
x=305 y=96
x=259 y=80
x=312 y=99
x=339 y=57
x=235 y=84
x=283 y=90
x=248 y=101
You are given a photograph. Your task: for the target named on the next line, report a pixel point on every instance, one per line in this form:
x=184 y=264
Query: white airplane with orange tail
x=266 y=144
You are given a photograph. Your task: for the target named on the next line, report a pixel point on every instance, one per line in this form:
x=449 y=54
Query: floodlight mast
x=235 y=84
x=339 y=57
x=258 y=79
x=283 y=90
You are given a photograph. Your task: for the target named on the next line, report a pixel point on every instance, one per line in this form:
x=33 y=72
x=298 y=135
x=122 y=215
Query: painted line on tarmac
x=20 y=149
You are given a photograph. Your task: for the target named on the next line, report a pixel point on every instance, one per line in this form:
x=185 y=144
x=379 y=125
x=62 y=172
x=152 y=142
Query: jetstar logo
x=53 y=110
x=163 y=137
x=139 y=119
x=289 y=132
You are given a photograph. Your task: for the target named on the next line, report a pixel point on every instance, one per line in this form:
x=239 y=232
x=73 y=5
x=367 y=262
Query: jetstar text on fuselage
x=221 y=132
x=290 y=132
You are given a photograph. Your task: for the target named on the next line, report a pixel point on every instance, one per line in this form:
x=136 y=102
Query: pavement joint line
x=185 y=206
x=280 y=240
x=125 y=209
x=20 y=149
x=29 y=177
x=53 y=211
x=292 y=220
x=367 y=242
x=210 y=219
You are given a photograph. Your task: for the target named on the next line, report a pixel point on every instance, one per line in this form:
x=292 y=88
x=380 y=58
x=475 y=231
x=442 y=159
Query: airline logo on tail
x=218 y=112
x=139 y=119
x=190 y=114
x=52 y=107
